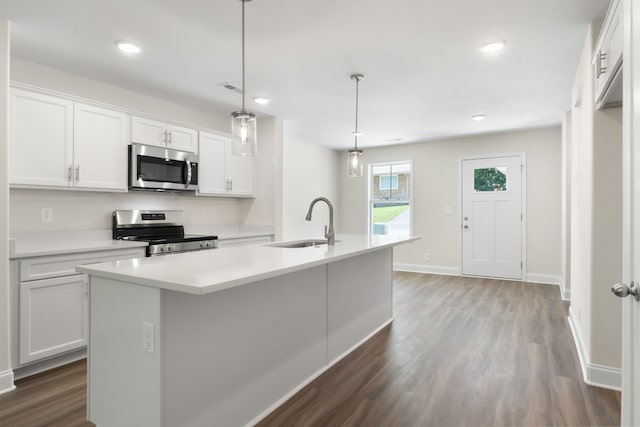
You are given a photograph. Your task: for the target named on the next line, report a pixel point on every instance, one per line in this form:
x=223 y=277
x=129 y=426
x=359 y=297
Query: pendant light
x=243 y=123
x=355 y=166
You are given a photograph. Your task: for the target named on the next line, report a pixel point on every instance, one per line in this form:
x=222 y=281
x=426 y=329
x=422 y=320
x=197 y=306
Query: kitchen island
x=223 y=337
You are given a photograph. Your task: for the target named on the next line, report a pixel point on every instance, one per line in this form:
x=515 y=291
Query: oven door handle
x=187 y=180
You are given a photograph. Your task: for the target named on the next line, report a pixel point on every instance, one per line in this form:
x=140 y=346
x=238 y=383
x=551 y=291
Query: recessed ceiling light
x=478 y=117
x=128 y=47
x=261 y=100
x=493 y=46
x=393 y=140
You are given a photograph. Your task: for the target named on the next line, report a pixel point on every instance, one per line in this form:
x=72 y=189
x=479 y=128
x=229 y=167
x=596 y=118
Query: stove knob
x=203 y=244
x=162 y=248
x=171 y=248
x=207 y=244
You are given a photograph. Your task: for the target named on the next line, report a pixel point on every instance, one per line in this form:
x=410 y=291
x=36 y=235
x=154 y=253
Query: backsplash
x=80 y=210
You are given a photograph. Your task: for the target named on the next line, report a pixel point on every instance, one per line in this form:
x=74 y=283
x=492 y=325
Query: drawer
x=65 y=265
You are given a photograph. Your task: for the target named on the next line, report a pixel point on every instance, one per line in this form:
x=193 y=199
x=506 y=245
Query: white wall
x=6 y=377
x=436 y=182
x=264 y=208
x=596 y=225
x=76 y=210
x=84 y=210
x=309 y=171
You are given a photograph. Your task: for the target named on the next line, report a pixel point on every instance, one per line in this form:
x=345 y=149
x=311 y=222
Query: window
x=490 y=179
x=388 y=182
x=390 y=191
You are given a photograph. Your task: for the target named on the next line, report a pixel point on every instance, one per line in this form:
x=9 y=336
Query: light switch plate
x=447 y=210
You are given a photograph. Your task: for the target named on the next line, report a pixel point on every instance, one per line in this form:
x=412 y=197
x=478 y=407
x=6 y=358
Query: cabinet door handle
x=168 y=137
x=70 y=173
x=77 y=173
x=230 y=185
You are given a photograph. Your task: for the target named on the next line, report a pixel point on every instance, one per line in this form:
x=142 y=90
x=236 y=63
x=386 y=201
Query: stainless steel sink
x=298 y=244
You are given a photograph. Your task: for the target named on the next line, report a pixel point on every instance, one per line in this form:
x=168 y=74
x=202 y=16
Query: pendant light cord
x=243 y=2
x=356 y=132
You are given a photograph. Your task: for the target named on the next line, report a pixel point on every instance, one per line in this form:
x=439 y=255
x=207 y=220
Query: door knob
x=466 y=226
x=621 y=290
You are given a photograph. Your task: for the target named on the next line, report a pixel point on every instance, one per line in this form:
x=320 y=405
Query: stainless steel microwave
x=162 y=169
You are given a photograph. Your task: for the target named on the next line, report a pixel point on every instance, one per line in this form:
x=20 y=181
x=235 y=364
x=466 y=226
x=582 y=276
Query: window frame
x=370 y=186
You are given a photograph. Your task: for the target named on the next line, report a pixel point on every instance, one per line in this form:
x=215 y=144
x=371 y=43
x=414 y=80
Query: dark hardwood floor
x=56 y=398
x=461 y=351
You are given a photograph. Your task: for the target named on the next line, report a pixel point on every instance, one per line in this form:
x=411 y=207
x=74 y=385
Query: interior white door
x=631 y=212
x=492 y=217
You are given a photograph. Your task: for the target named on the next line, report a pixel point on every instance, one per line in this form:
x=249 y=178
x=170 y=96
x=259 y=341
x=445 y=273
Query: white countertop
x=32 y=244
x=209 y=271
x=25 y=245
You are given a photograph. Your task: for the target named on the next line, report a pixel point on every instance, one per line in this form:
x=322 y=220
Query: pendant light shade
x=355 y=165
x=243 y=123
x=243 y=133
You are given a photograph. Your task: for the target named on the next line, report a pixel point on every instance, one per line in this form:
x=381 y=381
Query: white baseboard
x=545 y=279
x=47 y=364
x=593 y=374
x=565 y=293
x=6 y=382
x=429 y=269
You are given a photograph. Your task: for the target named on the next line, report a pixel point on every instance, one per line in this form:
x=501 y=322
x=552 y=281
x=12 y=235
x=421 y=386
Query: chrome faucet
x=328 y=233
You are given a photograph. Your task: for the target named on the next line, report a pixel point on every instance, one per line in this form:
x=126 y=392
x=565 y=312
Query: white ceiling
x=424 y=74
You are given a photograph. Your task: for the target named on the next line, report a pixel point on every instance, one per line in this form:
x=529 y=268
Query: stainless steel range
x=162 y=229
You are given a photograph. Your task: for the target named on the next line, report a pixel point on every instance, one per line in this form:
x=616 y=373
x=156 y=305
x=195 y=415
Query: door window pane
x=491 y=179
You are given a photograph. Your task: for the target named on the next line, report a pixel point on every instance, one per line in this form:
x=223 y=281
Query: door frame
x=630 y=207
x=523 y=223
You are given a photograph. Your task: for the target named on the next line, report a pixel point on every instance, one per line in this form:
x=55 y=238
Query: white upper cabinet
x=56 y=143
x=241 y=174
x=607 y=59
x=222 y=174
x=212 y=177
x=100 y=147
x=40 y=139
x=161 y=134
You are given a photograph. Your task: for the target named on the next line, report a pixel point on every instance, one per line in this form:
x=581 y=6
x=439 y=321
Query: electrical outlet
x=149 y=337
x=46 y=214
x=427 y=256
x=447 y=210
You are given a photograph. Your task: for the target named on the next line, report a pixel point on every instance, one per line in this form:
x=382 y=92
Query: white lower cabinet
x=222 y=174
x=52 y=304
x=53 y=316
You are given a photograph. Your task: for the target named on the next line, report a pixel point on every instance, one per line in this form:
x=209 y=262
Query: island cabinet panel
x=242 y=349
x=124 y=387
x=231 y=356
x=366 y=301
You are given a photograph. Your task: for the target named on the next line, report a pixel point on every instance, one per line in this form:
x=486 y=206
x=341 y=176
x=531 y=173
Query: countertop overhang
x=204 y=272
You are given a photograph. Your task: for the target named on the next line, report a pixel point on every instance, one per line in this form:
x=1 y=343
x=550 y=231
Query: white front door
x=492 y=217
x=631 y=212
